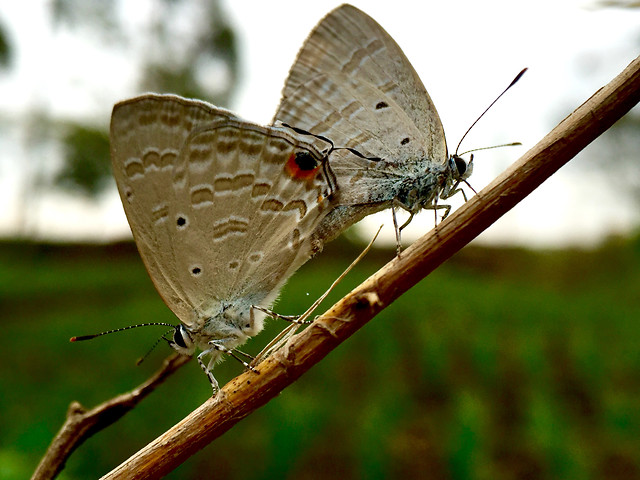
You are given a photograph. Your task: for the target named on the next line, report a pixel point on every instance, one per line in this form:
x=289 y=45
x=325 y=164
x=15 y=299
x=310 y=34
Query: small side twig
x=249 y=391
x=82 y=423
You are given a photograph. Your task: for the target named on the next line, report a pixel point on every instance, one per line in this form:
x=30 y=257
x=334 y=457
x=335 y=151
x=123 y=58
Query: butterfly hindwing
x=249 y=222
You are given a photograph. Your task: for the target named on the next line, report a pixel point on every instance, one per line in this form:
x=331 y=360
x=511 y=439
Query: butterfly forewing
x=147 y=136
x=352 y=83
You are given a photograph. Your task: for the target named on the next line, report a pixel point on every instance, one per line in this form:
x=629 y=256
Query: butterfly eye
x=461 y=165
x=179 y=337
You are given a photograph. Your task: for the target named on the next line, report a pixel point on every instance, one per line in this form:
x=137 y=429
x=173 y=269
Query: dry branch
x=249 y=391
x=82 y=423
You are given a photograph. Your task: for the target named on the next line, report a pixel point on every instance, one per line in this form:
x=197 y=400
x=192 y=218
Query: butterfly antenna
x=115 y=330
x=514 y=144
x=144 y=357
x=513 y=82
x=333 y=147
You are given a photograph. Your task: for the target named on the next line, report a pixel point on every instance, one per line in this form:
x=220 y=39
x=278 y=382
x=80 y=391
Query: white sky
x=465 y=51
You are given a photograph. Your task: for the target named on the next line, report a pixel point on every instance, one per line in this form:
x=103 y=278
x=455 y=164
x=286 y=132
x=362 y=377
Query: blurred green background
x=504 y=363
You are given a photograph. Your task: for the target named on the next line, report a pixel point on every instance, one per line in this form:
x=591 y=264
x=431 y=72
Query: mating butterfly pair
x=224 y=211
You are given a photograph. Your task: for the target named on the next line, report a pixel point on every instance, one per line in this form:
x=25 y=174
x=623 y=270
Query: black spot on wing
x=305 y=161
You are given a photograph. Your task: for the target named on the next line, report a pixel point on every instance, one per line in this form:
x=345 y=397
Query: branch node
x=75 y=409
x=328 y=327
x=368 y=300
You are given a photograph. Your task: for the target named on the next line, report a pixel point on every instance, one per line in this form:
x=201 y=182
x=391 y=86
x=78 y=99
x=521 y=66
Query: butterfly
x=351 y=83
x=222 y=212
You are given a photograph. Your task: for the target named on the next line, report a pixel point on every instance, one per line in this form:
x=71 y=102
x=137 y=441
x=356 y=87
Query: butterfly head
x=459 y=168
x=182 y=341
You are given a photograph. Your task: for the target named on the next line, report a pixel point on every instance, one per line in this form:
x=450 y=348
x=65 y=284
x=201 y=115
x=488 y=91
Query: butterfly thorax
x=420 y=190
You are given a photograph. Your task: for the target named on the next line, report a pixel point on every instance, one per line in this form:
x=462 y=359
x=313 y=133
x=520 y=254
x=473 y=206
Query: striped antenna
x=89 y=337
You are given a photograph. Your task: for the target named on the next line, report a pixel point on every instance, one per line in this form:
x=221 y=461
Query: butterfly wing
x=147 y=136
x=251 y=212
x=219 y=208
x=352 y=83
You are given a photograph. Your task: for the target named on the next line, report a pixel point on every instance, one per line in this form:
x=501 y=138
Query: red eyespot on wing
x=302 y=165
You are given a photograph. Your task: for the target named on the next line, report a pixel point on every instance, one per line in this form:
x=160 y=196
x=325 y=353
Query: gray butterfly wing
x=147 y=136
x=214 y=207
x=352 y=83
x=251 y=212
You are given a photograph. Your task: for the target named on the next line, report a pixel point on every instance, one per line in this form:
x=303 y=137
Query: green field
x=501 y=364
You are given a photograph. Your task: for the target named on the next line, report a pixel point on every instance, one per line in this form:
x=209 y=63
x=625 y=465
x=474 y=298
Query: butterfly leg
x=399 y=229
x=435 y=208
x=453 y=192
x=405 y=224
x=207 y=370
x=444 y=195
x=447 y=210
x=216 y=345
x=287 y=318
x=244 y=354
x=412 y=212
x=450 y=192
x=284 y=335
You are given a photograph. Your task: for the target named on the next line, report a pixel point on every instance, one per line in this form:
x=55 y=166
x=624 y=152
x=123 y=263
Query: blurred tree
x=186 y=47
x=5 y=48
x=615 y=156
x=187 y=62
x=98 y=15
x=36 y=143
x=86 y=166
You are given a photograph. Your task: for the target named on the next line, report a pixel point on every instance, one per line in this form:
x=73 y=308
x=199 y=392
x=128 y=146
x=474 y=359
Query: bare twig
x=82 y=423
x=249 y=391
